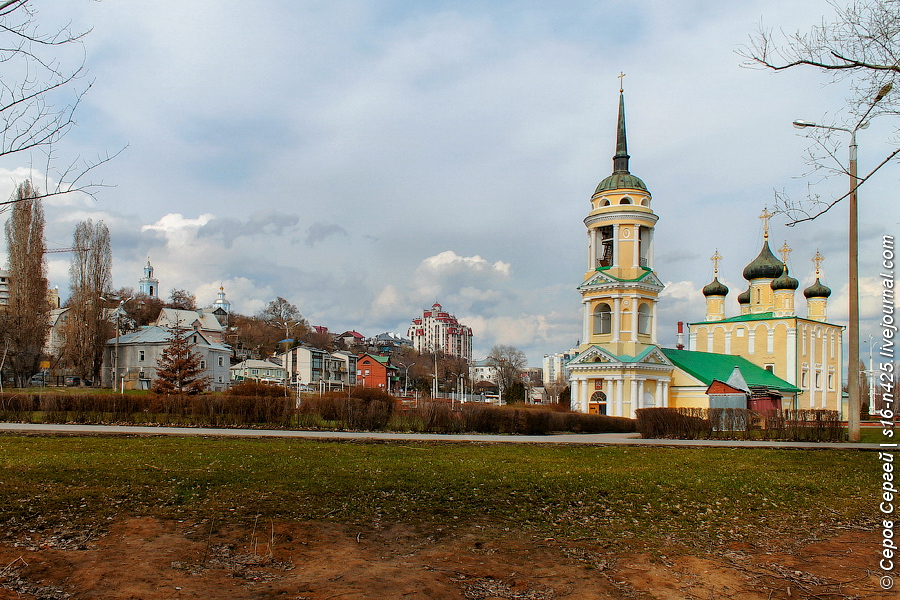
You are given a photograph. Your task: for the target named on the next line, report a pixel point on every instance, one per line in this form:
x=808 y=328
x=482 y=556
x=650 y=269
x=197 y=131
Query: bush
x=740 y=423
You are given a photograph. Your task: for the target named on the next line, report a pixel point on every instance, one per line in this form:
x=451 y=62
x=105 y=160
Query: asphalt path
x=603 y=439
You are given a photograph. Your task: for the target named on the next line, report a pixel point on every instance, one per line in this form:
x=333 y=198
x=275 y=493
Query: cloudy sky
x=365 y=159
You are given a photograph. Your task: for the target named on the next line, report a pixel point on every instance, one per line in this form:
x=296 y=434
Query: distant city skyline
x=364 y=160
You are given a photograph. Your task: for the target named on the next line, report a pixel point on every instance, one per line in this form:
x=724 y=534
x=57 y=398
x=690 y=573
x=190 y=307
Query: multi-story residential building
x=439 y=331
x=376 y=371
x=305 y=365
x=4 y=287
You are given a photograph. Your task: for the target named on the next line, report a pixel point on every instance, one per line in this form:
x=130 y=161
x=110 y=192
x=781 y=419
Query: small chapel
x=766 y=357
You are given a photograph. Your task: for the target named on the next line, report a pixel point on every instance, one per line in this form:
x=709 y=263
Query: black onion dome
x=785 y=282
x=744 y=297
x=817 y=290
x=764 y=266
x=715 y=288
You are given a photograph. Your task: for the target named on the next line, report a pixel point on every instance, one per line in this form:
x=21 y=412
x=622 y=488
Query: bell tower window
x=602 y=319
x=605 y=256
x=644 y=319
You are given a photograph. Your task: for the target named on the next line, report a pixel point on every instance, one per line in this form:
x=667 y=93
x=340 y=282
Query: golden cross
x=818 y=258
x=716 y=258
x=765 y=216
x=785 y=251
x=621 y=88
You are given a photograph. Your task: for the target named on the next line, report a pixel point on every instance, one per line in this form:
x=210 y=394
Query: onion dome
x=621 y=178
x=817 y=290
x=764 y=266
x=744 y=297
x=715 y=288
x=785 y=282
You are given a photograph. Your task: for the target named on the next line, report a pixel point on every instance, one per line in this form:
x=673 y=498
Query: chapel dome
x=785 y=282
x=744 y=297
x=817 y=290
x=715 y=288
x=764 y=266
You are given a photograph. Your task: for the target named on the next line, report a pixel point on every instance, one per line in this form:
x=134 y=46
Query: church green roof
x=707 y=366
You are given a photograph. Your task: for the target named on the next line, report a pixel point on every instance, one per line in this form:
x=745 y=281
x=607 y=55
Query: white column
x=590 y=251
x=619 y=393
x=573 y=393
x=664 y=400
x=584 y=396
x=634 y=317
x=728 y=342
x=594 y=250
x=640 y=393
x=586 y=326
x=632 y=382
x=615 y=235
x=650 y=260
x=692 y=340
x=616 y=318
x=653 y=306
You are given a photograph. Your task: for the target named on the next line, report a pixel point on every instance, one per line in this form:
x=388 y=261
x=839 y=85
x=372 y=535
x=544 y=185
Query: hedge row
x=363 y=409
x=740 y=423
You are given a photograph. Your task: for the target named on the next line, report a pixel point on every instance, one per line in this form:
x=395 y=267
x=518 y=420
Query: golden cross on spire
x=818 y=258
x=716 y=258
x=765 y=216
x=785 y=251
x=621 y=88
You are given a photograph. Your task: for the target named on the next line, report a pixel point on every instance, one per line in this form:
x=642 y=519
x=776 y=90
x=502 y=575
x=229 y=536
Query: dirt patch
x=149 y=559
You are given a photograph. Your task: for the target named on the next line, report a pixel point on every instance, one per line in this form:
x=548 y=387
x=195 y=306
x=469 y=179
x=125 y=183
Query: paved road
x=587 y=438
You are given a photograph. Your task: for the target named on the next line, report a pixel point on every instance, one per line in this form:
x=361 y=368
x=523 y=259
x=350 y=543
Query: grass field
x=692 y=496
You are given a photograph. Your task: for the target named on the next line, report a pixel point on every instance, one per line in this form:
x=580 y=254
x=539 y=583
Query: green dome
x=716 y=288
x=764 y=266
x=785 y=282
x=744 y=297
x=619 y=181
x=817 y=290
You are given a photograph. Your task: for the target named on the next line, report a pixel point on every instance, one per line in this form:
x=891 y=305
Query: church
x=766 y=357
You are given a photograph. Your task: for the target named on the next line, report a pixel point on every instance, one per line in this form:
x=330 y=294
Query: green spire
x=620 y=160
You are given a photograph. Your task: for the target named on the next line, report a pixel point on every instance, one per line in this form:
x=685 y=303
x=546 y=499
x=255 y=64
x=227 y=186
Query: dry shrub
x=361 y=408
x=740 y=423
x=257 y=389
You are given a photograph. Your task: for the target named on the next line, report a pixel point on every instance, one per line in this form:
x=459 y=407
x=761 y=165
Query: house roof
x=160 y=335
x=707 y=366
x=186 y=318
x=251 y=363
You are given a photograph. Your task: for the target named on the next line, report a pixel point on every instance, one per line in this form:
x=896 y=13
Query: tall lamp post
x=853 y=326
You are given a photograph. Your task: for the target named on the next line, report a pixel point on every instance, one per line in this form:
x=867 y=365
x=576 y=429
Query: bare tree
x=27 y=317
x=182 y=300
x=90 y=279
x=861 y=45
x=509 y=362
x=41 y=85
x=284 y=315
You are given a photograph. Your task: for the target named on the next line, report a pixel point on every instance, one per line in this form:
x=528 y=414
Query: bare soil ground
x=148 y=559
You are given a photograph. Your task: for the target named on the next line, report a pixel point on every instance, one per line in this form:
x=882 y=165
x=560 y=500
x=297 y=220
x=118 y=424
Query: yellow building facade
x=804 y=351
x=619 y=366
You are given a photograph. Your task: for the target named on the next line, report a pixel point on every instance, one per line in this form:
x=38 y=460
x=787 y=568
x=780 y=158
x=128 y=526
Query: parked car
x=39 y=379
x=72 y=380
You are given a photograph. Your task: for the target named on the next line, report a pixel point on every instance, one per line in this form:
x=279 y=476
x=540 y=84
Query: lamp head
x=801 y=124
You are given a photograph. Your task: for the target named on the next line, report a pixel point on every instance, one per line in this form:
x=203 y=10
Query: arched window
x=625 y=200
x=644 y=319
x=602 y=319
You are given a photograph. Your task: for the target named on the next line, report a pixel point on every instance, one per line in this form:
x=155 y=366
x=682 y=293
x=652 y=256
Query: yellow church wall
x=740 y=337
x=688 y=397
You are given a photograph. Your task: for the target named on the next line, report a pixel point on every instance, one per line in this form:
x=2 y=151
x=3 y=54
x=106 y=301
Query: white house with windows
x=258 y=370
x=135 y=356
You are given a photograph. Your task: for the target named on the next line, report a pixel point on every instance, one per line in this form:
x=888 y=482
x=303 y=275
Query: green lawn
x=691 y=495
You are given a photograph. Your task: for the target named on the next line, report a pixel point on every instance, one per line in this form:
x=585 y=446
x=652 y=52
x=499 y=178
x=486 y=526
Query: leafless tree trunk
x=90 y=278
x=27 y=317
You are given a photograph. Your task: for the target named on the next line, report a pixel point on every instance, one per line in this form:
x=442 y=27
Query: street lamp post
x=853 y=326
